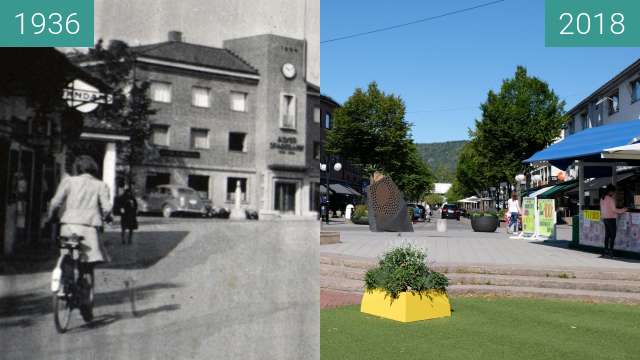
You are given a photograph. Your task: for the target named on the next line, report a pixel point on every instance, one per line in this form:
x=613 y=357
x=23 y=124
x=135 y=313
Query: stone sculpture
x=387 y=208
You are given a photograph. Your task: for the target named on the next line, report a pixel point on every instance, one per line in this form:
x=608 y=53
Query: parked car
x=450 y=211
x=173 y=199
x=464 y=212
x=420 y=214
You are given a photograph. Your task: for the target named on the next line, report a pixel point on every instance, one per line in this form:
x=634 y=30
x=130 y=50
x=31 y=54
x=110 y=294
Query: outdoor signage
x=547 y=217
x=178 y=153
x=529 y=216
x=591 y=215
x=287 y=145
x=84 y=97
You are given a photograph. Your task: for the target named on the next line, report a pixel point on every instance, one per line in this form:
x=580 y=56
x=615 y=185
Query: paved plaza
x=461 y=246
x=200 y=288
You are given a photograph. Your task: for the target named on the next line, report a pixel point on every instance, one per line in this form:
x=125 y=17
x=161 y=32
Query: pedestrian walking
x=514 y=211
x=86 y=202
x=609 y=213
x=128 y=207
x=348 y=212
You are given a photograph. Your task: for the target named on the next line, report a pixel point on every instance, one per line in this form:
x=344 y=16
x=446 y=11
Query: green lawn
x=491 y=329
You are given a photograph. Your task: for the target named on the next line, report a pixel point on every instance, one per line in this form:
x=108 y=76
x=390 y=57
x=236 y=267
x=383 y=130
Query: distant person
x=128 y=207
x=609 y=214
x=513 y=207
x=348 y=212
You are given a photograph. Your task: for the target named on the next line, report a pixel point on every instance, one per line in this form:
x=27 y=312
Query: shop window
x=288 y=111
x=160 y=92
x=584 y=120
x=200 y=183
x=238 y=101
x=237 y=141
x=314 y=200
x=200 y=97
x=231 y=189
x=199 y=138
x=285 y=197
x=160 y=135
x=156 y=179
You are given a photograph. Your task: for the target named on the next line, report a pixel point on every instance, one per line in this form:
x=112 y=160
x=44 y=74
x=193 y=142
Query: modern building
x=236 y=115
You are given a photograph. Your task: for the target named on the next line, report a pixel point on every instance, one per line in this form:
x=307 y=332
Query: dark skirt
x=129 y=221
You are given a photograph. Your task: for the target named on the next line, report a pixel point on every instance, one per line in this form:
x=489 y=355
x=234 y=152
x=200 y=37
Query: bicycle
x=72 y=284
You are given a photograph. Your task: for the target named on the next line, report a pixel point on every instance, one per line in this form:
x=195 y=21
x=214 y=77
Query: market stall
x=599 y=155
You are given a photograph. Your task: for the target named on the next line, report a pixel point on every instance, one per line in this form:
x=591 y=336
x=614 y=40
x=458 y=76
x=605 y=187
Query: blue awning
x=589 y=144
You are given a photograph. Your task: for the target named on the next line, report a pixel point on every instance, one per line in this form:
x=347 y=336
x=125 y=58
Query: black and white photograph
x=161 y=190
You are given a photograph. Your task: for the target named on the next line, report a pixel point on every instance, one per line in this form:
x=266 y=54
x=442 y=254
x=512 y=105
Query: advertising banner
x=529 y=216
x=547 y=216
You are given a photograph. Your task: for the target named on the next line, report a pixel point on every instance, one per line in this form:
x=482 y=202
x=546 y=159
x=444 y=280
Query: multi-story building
x=239 y=114
x=615 y=101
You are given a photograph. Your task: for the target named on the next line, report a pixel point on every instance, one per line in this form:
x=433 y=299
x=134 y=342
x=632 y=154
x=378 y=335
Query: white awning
x=539 y=192
x=626 y=152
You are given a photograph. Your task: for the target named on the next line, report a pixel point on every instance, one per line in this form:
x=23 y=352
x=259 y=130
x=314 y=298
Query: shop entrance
x=200 y=183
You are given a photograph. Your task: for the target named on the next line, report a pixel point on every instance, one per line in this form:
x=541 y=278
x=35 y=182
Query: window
x=614 y=103
x=237 y=141
x=199 y=138
x=584 y=120
x=635 y=90
x=160 y=135
x=288 y=112
x=572 y=127
x=232 y=182
x=328 y=121
x=200 y=183
x=285 y=197
x=160 y=92
x=316 y=150
x=238 y=101
x=316 y=115
x=200 y=97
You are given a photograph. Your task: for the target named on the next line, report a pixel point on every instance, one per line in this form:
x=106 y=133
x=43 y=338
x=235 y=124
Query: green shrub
x=404 y=269
x=360 y=212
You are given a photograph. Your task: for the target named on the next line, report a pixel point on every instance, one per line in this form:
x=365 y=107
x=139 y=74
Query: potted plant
x=360 y=215
x=485 y=221
x=403 y=288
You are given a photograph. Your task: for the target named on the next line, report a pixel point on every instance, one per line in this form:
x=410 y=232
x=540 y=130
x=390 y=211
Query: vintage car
x=174 y=199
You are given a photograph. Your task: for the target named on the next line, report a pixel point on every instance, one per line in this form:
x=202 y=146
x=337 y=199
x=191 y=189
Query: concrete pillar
x=109 y=168
x=580 y=187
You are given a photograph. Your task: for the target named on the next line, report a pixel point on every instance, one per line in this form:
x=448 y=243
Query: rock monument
x=387 y=208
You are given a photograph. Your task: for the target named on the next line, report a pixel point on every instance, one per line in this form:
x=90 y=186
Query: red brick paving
x=333 y=298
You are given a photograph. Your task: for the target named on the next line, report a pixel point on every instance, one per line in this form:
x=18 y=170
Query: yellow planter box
x=407 y=307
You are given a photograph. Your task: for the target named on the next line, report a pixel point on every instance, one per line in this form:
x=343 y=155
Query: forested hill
x=442 y=158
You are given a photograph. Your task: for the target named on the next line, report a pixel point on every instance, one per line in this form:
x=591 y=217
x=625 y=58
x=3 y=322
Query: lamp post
x=520 y=180
x=326 y=167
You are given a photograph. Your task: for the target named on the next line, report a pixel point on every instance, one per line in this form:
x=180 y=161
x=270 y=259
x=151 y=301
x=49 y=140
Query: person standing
x=128 y=207
x=609 y=214
x=513 y=208
x=348 y=212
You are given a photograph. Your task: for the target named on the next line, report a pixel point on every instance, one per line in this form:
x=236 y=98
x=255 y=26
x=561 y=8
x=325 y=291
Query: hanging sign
x=84 y=97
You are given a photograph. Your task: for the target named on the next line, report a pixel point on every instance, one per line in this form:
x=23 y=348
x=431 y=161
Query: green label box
x=592 y=23
x=46 y=23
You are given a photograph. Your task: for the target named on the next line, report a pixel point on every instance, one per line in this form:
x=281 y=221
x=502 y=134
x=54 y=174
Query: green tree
x=131 y=107
x=434 y=199
x=521 y=119
x=370 y=130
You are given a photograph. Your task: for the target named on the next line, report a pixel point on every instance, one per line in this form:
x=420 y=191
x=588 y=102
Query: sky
x=209 y=22
x=444 y=69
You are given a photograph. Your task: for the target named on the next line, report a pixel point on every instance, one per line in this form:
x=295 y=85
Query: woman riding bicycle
x=85 y=201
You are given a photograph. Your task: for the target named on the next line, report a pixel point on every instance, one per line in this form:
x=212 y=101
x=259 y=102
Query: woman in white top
x=514 y=211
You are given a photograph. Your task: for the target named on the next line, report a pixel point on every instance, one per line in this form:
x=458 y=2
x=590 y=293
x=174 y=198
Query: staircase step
x=565 y=273
x=341 y=284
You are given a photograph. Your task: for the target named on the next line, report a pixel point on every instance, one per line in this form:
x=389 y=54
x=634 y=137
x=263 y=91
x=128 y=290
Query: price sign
x=46 y=23
x=573 y=23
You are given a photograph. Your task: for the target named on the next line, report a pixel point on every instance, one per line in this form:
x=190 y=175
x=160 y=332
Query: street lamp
x=326 y=167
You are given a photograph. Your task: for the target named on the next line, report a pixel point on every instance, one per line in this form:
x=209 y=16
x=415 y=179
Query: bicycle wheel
x=86 y=302
x=61 y=312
